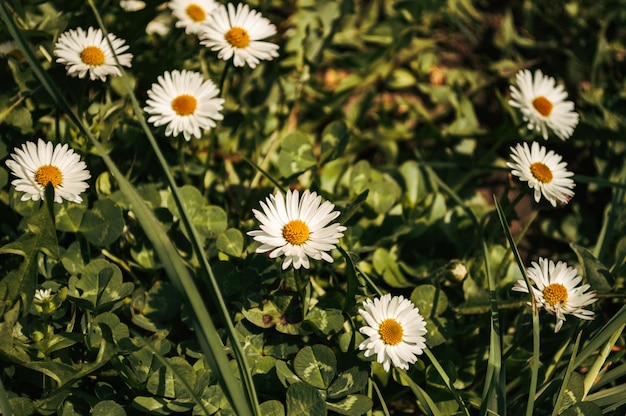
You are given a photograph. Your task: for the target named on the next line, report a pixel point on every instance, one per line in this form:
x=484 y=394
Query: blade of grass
x=566 y=377
x=494 y=395
x=612 y=327
x=446 y=380
x=215 y=292
x=534 y=362
x=173 y=264
x=422 y=397
x=601 y=358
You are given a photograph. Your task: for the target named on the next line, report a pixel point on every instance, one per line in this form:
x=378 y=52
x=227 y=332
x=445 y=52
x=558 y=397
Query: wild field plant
x=312 y=207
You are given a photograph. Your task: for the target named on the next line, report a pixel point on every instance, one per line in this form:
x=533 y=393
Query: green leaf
x=20 y=283
x=103 y=223
x=386 y=265
x=230 y=242
x=413 y=182
x=303 y=399
x=161 y=405
x=433 y=302
x=154 y=309
x=296 y=155
x=173 y=380
x=334 y=140
x=353 y=405
x=99 y=287
x=597 y=275
x=316 y=365
x=272 y=408
x=104 y=325
x=360 y=177
x=72 y=259
x=210 y=221
x=573 y=392
x=429 y=300
x=327 y=321
x=383 y=195
x=583 y=409
x=348 y=382
x=107 y=408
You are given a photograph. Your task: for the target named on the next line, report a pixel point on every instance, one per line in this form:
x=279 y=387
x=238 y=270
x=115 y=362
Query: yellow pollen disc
x=195 y=12
x=184 y=105
x=541 y=172
x=543 y=105
x=296 y=232
x=238 y=37
x=555 y=293
x=92 y=55
x=391 y=332
x=49 y=174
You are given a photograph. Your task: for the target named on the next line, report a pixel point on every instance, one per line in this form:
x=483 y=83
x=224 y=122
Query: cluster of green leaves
x=393 y=111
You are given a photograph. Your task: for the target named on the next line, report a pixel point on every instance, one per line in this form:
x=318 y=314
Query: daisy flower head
x=191 y=14
x=185 y=102
x=38 y=164
x=43 y=295
x=395 y=331
x=237 y=33
x=544 y=171
x=88 y=52
x=297 y=227
x=543 y=104
x=556 y=289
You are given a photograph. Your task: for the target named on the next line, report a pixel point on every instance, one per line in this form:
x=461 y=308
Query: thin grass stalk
x=446 y=380
x=614 y=325
x=568 y=372
x=534 y=362
x=493 y=396
x=598 y=363
x=244 y=370
x=422 y=397
x=173 y=264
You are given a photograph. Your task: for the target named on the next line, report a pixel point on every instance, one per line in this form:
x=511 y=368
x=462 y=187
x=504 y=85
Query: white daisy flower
x=36 y=165
x=543 y=104
x=395 y=331
x=132 y=5
x=556 y=290
x=297 y=228
x=43 y=295
x=192 y=14
x=186 y=102
x=237 y=34
x=88 y=52
x=544 y=172
x=11 y=48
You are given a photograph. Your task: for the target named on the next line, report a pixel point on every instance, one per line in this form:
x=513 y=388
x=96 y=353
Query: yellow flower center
x=296 y=232
x=92 y=55
x=391 y=332
x=555 y=293
x=195 y=12
x=49 y=174
x=543 y=105
x=238 y=37
x=541 y=172
x=184 y=105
